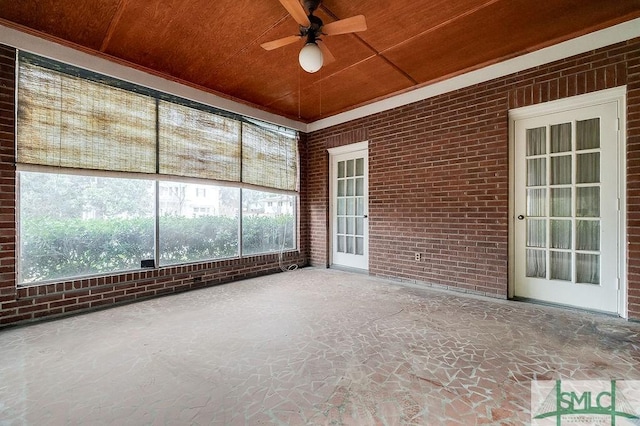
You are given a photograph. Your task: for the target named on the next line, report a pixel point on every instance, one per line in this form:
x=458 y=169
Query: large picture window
x=198 y=222
x=112 y=174
x=268 y=222
x=83 y=225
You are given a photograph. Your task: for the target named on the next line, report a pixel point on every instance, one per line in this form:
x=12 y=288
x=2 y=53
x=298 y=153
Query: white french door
x=567 y=207
x=349 y=206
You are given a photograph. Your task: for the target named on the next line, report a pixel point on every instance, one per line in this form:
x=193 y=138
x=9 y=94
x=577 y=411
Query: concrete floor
x=305 y=347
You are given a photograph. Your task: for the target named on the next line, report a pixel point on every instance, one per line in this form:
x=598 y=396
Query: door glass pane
x=561 y=170
x=588 y=168
x=351 y=206
x=360 y=167
x=588 y=268
x=561 y=234
x=341 y=169
x=350 y=168
x=560 y=265
x=536 y=202
x=341 y=185
x=536 y=141
x=359 y=187
x=350 y=187
x=536 y=233
x=350 y=225
x=342 y=206
x=359 y=245
x=588 y=201
x=359 y=226
x=360 y=206
x=561 y=137
x=536 y=264
x=350 y=245
x=341 y=225
x=537 y=172
x=588 y=134
x=561 y=202
x=341 y=244
x=588 y=235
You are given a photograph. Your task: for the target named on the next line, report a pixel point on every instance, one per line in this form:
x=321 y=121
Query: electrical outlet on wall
x=417 y=256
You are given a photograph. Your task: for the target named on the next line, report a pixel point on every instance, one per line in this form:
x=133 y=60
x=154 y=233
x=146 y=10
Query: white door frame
x=346 y=149
x=617 y=94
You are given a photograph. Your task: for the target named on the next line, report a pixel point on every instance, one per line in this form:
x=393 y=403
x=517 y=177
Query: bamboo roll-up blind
x=197 y=143
x=269 y=158
x=67 y=121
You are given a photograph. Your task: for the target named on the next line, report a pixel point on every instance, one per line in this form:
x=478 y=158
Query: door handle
x=520 y=217
x=365 y=216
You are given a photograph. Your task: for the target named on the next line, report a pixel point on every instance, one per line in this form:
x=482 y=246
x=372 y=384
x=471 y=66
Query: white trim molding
x=359 y=146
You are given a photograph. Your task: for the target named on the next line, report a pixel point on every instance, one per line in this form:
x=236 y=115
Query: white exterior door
x=349 y=206
x=567 y=207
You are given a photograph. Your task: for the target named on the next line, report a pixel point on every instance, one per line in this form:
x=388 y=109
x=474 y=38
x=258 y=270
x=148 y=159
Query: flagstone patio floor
x=307 y=347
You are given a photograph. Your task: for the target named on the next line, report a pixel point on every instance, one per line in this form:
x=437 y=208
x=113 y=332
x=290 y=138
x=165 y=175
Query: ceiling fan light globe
x=310 y=58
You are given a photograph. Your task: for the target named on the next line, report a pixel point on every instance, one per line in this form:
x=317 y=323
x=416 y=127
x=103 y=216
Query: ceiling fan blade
x=296 y=10
x=270 y=45
x=327 y=57
x=344 y=26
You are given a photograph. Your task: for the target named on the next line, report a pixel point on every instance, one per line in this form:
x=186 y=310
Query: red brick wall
x=25 y=304
x=438 y=174
x=7 y=184
x=632 y=53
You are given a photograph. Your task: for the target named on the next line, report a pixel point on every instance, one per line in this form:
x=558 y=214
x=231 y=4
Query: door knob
x=520 y=217
x=365 y=216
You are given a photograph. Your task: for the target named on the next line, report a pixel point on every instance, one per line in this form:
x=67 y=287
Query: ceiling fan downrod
x=313 y=31
x=311 y=5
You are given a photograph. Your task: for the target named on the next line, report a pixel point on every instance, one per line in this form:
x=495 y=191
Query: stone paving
x=307 y=347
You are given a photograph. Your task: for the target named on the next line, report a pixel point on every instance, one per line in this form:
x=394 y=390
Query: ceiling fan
x=313 y=55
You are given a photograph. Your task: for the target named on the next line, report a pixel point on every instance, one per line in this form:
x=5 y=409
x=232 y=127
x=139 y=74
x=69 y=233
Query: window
x=107 y=170
x=83 y=225
x=266 y=229
x=188 y=233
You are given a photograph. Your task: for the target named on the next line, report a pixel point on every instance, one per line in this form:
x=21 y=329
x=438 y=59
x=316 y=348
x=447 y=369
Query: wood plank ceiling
x=215 y=44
